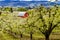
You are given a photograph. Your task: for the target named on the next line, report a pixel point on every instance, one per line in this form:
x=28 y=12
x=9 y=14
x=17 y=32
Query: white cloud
x=36 y=0
x=2 y=0
x=51 y=0
x=40 y=0
x=58 y=0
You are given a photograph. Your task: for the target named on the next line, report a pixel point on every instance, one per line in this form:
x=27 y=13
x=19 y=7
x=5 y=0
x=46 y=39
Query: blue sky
x=26 y=0
x=23 y=0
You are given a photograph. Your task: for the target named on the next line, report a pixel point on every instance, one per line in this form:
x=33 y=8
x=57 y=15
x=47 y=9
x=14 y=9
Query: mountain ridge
x=26 y=3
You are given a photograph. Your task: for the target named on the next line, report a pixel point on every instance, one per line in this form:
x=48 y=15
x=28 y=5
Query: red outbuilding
x=23 y=14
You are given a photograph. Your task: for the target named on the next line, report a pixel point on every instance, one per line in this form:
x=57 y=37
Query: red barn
x=23 y=14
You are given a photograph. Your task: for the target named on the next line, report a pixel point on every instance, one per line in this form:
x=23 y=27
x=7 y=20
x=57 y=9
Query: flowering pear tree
x=45 y=21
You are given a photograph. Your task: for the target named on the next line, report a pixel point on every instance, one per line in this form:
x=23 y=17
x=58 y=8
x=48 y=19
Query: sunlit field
x=13 y=27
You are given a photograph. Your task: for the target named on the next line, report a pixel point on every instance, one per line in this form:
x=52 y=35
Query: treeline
x=11 y=9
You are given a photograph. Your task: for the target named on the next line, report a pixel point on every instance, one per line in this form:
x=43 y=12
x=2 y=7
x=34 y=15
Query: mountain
x=26 y=3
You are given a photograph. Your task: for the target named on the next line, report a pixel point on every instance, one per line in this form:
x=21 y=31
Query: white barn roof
x=21 y=13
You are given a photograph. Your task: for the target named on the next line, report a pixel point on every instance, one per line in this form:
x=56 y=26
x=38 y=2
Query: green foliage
x=39 y=20
x=6 y=9
x=44 y=20
x=22 y=9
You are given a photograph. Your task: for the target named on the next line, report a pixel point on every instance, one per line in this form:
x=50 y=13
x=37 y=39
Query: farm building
x=23 y=14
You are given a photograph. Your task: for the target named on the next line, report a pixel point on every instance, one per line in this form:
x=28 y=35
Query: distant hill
x=26 y=3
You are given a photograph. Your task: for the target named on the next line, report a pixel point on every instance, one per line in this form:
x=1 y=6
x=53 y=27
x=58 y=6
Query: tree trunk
x=0 y=13
x=21 y=36
x=47 y=37
x=11 y=10
x=31 y=34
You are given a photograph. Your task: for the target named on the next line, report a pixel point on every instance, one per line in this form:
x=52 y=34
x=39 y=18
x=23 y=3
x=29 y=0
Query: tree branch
x=41 y=31
x=55 y=25
x=42 y=20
